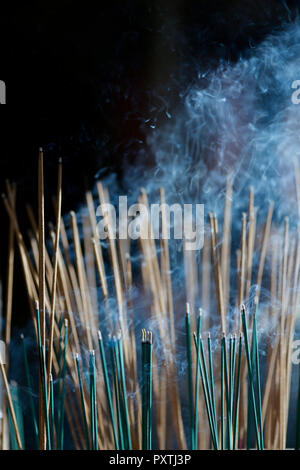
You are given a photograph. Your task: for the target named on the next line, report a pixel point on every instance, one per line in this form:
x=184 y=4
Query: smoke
x=237 y=118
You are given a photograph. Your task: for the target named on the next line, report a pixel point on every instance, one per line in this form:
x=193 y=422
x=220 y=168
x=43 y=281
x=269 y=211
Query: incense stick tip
x=149 y=337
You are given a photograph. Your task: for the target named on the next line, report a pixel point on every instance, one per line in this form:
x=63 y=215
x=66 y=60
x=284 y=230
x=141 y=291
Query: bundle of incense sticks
x=195 y=381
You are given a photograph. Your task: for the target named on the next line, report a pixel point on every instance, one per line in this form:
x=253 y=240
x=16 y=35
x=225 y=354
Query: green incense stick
x=52 y=420
x=30 y=392
x=63 y=389
x=237 y=394
x=189 y=372
x=258 y=381
x=124 y=392
x=252 y=396
x=107 y=388
x=86 y=431
x=199 y=328
x=43 y=377
x=205 y=392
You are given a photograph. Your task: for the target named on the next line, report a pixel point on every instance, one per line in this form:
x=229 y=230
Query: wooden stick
x=41 y=280
x=242 y=271
x=89 y=261
x=9 y=297
x=167 y=268
x=264 y=248
x=82 y=278
x=10 y=405
x=282 y=344
x=206 y=280
x=10 y=270
x=252 y=212
x=216 y=267
x=114 y=260
x=54 y=278
x=41 y=245
x=225 y=252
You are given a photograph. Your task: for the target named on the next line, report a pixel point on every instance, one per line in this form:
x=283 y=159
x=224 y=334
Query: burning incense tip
x=149 y=337
x=37 y=304
x=200 y=312
x=99 y=335
x=187 y=308
x=21 y=336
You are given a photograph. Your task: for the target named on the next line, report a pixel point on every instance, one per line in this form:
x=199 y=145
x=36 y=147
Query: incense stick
x=54 y=277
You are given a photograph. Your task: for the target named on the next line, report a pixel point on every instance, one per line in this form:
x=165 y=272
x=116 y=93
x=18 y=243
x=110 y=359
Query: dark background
x=88 y=81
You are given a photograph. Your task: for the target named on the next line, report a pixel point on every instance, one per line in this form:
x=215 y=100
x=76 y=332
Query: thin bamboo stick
x=217 y=270
x=10 y=405
x=225 y=251
x=54 y=278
